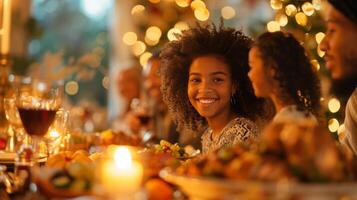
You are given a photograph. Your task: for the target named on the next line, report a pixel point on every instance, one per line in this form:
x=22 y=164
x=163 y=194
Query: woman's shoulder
x=293 y=114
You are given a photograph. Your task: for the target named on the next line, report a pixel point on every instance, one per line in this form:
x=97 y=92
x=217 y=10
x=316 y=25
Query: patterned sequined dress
x=238 y=131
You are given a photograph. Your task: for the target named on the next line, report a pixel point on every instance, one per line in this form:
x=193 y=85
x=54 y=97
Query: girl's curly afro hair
x=176 y=57
x=298 y=83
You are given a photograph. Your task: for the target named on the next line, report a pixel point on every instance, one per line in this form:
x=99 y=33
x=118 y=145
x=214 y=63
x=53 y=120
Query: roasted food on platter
x=294 y=152
x=76 y=178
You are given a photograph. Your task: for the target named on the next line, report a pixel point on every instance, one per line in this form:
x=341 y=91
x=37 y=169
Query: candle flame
x=122 y=158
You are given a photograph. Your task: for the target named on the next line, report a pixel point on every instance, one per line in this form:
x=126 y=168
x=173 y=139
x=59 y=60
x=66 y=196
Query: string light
x=137 y=9
x=71 y=88
x=138 y=48
x=130 y=38
x=181 y=25
x=183 y=3
x=341 y=129
x=201 y=14
x=333 y=125
x=151 y=42
x=315 y=64
x=319 y=37
x=282 y=19
x=228 y=12
x=308 y=8
x=154 y=1
x=171 y=33
x=144 y=58
x=334 y=105
x=320 y=52
x=153 y=33
x=273 y=26
x=276 y=4
x=197 y=4
x=290 y=10
x=301 y=18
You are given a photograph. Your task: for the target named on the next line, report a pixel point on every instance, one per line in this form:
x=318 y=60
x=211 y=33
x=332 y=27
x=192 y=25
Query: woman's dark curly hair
x=294 y=73
x=176 y=57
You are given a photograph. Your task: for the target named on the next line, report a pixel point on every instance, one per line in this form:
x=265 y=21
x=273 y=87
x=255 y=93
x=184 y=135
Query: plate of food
x=66 y=174
x=289 y=162
x=210 y=188
x=175 y=150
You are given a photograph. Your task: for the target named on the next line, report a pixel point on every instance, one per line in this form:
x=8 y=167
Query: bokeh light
x=183 y=3
x=273 y=26
x=171 y=33
x=334 y=105
x=341 y=129
x=130 y=38
x=282 y=19
x=144 y=58
x=71 y=88
x=153 y=33
x=290 y=10
x=319 y=37
x=276 y=4
x=333 y=125
x=301 y=18
x=154 y=1
x=320 y=52
x=315 y=64
x=181 y=25
x=201 y=14
x=151 y=42
x=137 y=9
x=138 y=48
x=197 y=4
x=308 y=8
x=228 y=12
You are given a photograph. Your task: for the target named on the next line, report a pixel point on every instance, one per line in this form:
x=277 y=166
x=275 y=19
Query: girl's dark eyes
x=194 y=80
x=217 y=80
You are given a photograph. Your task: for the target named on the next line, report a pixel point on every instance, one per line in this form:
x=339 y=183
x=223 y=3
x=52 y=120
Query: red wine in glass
x=36 y=121
x=3 y=142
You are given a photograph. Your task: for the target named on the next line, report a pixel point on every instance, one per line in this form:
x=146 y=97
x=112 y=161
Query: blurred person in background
x=340 y=45
x=281 y=71
x=128 y=82
x=161 y=123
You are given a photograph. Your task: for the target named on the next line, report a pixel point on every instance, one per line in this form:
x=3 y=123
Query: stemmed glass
x=144 y=113
x=16 y=132
x=37 y=101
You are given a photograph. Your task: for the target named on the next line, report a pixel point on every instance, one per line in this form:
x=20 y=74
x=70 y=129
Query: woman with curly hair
x=280 y=70
x=206 y=87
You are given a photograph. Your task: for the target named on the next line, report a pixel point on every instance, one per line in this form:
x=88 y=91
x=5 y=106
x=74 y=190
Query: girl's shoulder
x=291 y=114
x=243 y=124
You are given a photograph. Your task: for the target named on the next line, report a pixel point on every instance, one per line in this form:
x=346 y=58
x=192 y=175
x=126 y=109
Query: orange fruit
x=157 y=189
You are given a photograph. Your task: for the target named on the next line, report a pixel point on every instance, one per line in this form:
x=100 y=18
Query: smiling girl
x=206 y=86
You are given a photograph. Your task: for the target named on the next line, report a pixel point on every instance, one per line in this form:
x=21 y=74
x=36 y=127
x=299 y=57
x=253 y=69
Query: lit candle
x=5 y=31
x=122 y=176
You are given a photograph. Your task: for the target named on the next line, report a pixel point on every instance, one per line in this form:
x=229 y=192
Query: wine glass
x=37 y=101
x=57 y=134
x=16 y=132
x=144 y=113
